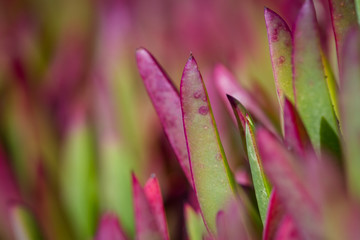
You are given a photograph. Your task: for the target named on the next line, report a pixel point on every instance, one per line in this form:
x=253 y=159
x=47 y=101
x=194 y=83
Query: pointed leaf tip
x=280 y=44
x=109 y=228
x=166 y=101
x=203 y=142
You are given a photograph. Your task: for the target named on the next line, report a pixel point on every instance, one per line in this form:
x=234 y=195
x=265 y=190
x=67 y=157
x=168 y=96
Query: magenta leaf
x=109 y=228
x=274 y=215
x=153 y=195
x=146 y=224
x=227 y=85
x=295 y=135
x=287 y=230
x=166 y=100
x=287 y=177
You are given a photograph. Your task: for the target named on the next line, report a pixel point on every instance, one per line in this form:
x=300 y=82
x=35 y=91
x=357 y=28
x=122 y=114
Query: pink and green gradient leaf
x=166 y=100
x=261 y=184
x=115 y=160
x=213 y=181
x=240 y=114
x=349 y=107
x=227 y=85
x=295 y=135
x=331 y=84
x=287 y=178
x=194 y=224
x=312 y=97
x=146 y=223
x=343 y=16
x=110 y=228
x=78 y=176
x=287 y=230
x=153 y=194
x=274 y=215
x=232 y=223
x=24 y=225
x=280 y=43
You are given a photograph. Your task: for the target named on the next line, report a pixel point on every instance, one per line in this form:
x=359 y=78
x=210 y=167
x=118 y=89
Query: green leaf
x=78 y=178
x=261 y=184
x=23 y=224
x=312 y=98
x=213 y=181
x=343 y=17
x=349 y=106
x=280 y=43
x=194 y=224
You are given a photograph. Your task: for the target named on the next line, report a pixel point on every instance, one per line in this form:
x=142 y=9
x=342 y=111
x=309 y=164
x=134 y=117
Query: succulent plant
x=305 y=173
x=77 y=176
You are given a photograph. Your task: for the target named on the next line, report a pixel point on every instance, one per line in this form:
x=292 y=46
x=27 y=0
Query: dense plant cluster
x=263 y=171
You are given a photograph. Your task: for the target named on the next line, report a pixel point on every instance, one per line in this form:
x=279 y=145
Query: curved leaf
x=109 y=228
x=213 y=181
x=166 y=100
x=261 y=185
x=280 y=43
x=311 y=92
x=350 y=105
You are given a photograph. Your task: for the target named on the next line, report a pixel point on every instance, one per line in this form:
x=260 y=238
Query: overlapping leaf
x=213 y=181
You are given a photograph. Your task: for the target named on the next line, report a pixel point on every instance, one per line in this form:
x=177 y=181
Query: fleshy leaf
x=295 y=135
x=78 y=176
x=287 y=230
x=331 y=84
x=227 y=85
x=115 y=161
x=231 y=223
x=311 y=93
x=166 y=100
x=109 y=228
x=288 y=180
x=350 y=105
x=273 y=217
x=146 y=225
x=240 y=114
x=343 y=16
x=213 y=181
x=194 y=224
x=261 y=185
x=153 y=195
x=357 y=6
x=280 y=43
x=23 y=223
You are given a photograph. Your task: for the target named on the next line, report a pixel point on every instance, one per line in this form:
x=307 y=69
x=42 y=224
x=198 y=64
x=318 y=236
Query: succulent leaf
x=343 y=16
x=261 y=185
x=280 y=43
x=153 y=194
x=287 y=178
x=109 y=228
x=23 y=223
x=213 y=181
x=166 y=100
x=146 y=223
x=349 y=106
x=194 y=224
x=312 y=97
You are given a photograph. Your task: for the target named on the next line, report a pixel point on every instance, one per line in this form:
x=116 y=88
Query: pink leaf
x=146 y=224
x=109 y=228
x=165 y=98
x=153 y=195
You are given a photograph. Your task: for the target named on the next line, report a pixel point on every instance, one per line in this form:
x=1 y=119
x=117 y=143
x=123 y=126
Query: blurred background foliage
x=75 y=119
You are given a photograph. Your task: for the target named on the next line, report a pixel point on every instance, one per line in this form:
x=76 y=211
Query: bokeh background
x=75 y=119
